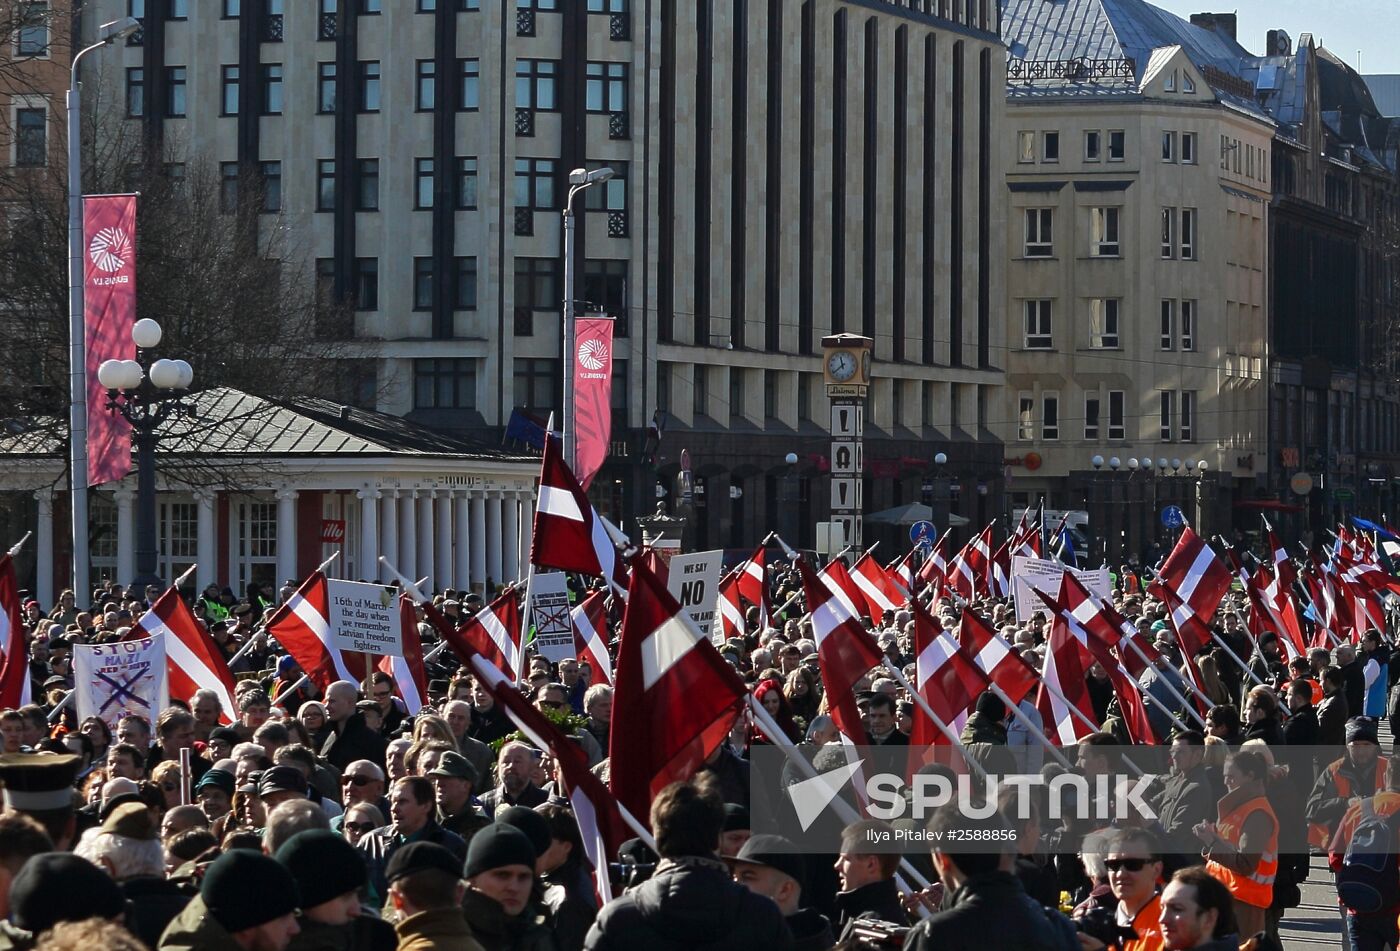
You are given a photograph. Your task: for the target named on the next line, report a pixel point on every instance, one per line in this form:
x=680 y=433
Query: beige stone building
x=1137 y=176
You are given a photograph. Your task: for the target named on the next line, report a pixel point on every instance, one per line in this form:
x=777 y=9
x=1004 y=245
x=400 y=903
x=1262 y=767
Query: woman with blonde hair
x=803 y=694
x=429 y=726
x=1211 y=684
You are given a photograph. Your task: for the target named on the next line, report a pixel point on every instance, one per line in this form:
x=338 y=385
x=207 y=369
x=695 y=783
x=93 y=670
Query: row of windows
x=1176 y=416
x=1178 y=324
x=1049 y=142
x=451 y=384
x=234 y=8
x=1178 y=233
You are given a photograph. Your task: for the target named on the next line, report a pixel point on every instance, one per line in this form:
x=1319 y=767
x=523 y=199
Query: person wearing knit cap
x=500 y=873
x=215 y=792
x=246 y=902
x=43 y=893
x=426 y=892
x=330 y=875
x=1357 y=775
x=736 y=829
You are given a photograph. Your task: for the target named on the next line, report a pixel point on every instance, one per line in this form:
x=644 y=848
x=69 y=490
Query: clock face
x=841 y=365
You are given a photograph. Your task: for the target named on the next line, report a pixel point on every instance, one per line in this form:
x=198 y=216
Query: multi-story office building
x=785 y=170
x=1138 y=171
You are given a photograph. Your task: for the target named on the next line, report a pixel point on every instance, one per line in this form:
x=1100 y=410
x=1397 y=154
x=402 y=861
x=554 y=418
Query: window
x=534 y=183
x=422 y=283
x=136 y=8
x=228 y=85
x=537 y=385
x=1025 y=149
x=700 y=393
x=1116 y=402
x=31 y=137
x=536 y=289
x=1188 y=326
x=1168 y=403
x=1168 y=146
x=606 y=87
x=469 y=78
x=1103 y=233
x=369 y=7
x=1188 y=85
x=271 y=89
x=175 y=91
x=233 y=9
x=1168 y=330
x=179 y=10
x=135 y=91
x=228 y=187
x=1188 y=415
x=736 y=393
x=1117 y=145
x=33 y=33
x=422 y=183
x=1049 y=415
x=1091 y=414
x=369 y=86
x=426 y=85
x=464 y=187
x=612 y=194
x=1188 y=148
x=325 y=87
x=535 y=81
x=605 y=289
x=1039 y=242
x=1168 y=233
x=1025 y=416
x=1038 y=326
x=427 y=6
x=325 y=184
x=464 y=284
x=271 y=186
x=1092 y=146
x=1050 y=147
x=1188 y=234
x=1169 y=83
x=367 y=174
x=366 y=283
x=1103 y=323
x=444 y=384
x=607 y=6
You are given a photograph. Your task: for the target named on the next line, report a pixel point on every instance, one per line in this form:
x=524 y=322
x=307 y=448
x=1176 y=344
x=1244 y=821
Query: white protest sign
x=1045 y=574
x=549 y=615
x=116 y=680
x=694 y=582
x=364 y=618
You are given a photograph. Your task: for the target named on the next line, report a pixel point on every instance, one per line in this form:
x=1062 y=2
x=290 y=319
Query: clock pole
x=846 y=369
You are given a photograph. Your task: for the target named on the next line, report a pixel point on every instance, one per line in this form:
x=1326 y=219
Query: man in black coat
x=350 y=739
x=769 y=865
x=1353 y=679
x=1300 y=731
x=867 y=875
x=690 y=901
x=1187 y=796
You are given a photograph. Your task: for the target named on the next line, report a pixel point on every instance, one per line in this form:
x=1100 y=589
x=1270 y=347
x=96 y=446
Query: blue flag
x=1369 y=526
x=1067 y=554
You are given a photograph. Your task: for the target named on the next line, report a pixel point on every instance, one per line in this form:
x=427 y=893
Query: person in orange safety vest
x=1241 y=848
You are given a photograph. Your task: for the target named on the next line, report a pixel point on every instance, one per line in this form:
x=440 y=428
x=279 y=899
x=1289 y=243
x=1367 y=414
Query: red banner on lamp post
x=592 y=422
x=109 y=310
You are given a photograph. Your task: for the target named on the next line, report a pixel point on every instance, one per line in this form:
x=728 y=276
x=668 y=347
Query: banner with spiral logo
x=592 y=422
x=109 y=310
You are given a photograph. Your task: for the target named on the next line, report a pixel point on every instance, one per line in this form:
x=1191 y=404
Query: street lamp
x=77 y=356
x=788 y=502
x=579 y=179
x=146 y=397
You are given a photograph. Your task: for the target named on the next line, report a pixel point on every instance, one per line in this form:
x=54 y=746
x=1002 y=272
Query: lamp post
x=77 y=357
x=579 y=179
x=792 y=523
x=146 y=397
x=941 y=517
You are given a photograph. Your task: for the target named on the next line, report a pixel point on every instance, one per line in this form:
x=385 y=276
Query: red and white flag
x=946 y=677
x=109 y=312
x=675 y=698
x=302 y=626
x=902 y=574
x=934 y=570
x=494 y=632
x=968 y=574
x=752 y=577
x=590 y=623
x=1064 y=670
x=568 y=533
x=845 y=650
x=877 y=590
x=1193 y=574
x=731 y=610
x=1284 y=569
x=15 y=684
x=193 y=662
x=996 y=658
x=999 y=571
x=410 y=676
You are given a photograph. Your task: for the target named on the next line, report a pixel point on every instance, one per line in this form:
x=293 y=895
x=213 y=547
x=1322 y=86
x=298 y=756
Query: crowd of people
x=334 y=818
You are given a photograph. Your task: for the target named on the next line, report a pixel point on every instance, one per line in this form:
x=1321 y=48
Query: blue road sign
x=1172 y=516
x=922 y=533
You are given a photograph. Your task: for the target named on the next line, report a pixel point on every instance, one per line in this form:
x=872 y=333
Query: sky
x=1343 y=26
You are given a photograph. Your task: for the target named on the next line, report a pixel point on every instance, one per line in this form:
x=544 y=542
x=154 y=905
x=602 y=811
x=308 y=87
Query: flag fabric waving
x=752 y=577
x=996 y=658
x=410 y=676
x=934 y=570
x=15 y=684
x=1064 y=670
x=730 y=610
x=878 y=591
x=590 y=623
x=945 y=676
x=845 y=650
x=493 y=632
x=302 y=625
x=568 y=533
x=192 y=660
x=1193 y=574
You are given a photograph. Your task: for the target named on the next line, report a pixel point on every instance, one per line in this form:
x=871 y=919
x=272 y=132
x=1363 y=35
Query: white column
x=427 y=547
x=462 y=540
x=208 y=571
x=494 y=566
x=478 y=504
x=368 y=566
x=408 y=534
x=43 y=552
x=287 y=536
x=126 y=534
x=527 y=527
x=388 y=532
x=443 y=562
x=510 y=537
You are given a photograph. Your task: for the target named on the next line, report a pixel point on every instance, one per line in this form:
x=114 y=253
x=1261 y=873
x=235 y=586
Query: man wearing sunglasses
x=363 y=783
x=1134 y=868
x=554 y=698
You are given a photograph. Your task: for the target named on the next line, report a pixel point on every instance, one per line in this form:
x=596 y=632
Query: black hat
x=36 y=782
x=324 y=864
x=775 y=852
x=421 y=857
x=454 y=765
x=497 y=846
x=243 y=889
x=530 y=822
x=736 y=818
x=1362 y=728
x=214 y=776
x=637 y=852
x=226 y=733
x=44 y=892
x=282 y=779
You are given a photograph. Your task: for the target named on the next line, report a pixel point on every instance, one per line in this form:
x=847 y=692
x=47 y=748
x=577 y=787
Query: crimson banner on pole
x=109 y=310
x=592 y=422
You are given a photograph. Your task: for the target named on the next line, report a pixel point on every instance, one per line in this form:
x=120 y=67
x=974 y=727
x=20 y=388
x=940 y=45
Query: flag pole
x=1015 y=710
x=327 y=563
x=14 y=549
x=1190 y=708
x=938 y=722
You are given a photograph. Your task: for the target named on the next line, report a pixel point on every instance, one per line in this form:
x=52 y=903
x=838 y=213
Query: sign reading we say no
x=694 y=582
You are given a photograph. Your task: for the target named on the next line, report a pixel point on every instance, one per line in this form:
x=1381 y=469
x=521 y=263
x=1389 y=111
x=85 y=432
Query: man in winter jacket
x=247 y=902
x=350 y=739
x=769 y=865
x=426 y=890
x=690 y=901
x=867 y=875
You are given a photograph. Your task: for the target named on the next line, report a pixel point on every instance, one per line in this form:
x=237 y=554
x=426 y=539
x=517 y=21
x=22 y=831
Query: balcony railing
x=525 y=221
x=617 y=224
x=619 y=26
x=272 y=28
x=326 y=29
x=525 y=22
x=618 y=126
x=524 y=121
x=1075 y=70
